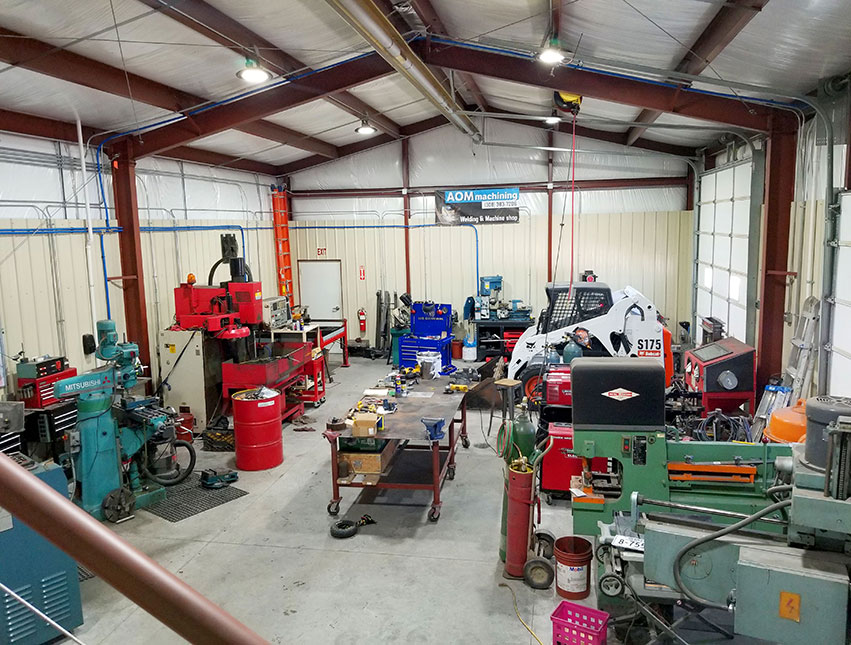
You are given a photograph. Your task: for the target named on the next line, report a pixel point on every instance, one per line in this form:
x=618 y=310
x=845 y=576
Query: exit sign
x=321 y=250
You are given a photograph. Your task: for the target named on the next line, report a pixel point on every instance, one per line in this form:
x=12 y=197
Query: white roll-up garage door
x=840 y=356
x=724 y=211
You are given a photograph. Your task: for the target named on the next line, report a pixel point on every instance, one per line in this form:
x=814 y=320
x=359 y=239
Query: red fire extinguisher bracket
x=362 y=320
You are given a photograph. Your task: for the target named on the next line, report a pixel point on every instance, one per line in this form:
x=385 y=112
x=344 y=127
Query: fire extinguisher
x=362 y=320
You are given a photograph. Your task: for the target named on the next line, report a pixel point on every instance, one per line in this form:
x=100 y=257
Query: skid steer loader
x=623 y=323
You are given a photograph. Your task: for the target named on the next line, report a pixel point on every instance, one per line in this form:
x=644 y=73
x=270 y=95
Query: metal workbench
x=426 y=400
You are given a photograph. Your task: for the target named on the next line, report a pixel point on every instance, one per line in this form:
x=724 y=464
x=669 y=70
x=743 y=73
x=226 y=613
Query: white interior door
x=320 y=287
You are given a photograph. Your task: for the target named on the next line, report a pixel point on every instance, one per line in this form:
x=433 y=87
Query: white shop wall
x=443 y=259
x=46 y=311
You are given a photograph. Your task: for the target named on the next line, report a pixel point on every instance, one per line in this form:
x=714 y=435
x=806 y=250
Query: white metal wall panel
x=32 y=319
x=380 y=251
x=840 y=356
x=649 y=251
x=378 y=168
x=722 y=248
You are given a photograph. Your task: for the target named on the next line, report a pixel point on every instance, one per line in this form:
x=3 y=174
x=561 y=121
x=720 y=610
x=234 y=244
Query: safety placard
x=321 y=250
x=361 y=273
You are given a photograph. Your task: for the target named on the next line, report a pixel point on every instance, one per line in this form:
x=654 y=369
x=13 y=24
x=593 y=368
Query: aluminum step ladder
x=798 y=373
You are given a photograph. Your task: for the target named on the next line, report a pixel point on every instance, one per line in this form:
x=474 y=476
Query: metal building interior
x=604 y=246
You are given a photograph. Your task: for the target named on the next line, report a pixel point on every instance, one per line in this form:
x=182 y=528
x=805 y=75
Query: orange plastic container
x=788 y=425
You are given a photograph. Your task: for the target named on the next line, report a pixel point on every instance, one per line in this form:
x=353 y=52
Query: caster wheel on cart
x=545 y=543
x=465 y=442
x=450 y=473
x=601 y=552
x=316 y=404
x=548 y=499
x=333 y=508
x=434 y=515
x=611 y=585
x=538 y=573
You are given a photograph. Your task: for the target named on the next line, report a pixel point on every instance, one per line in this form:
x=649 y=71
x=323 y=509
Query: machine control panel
x=639 y=451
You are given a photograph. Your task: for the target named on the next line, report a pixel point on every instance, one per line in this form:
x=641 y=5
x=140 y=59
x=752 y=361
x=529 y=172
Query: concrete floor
x=268 y=558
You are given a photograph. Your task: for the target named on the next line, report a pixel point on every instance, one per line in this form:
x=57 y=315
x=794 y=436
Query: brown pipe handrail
x=159 y=592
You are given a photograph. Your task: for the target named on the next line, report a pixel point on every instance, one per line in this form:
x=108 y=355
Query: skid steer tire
x=533 y=380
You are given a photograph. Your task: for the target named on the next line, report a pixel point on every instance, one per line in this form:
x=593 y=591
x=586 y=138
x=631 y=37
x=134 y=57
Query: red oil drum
x=257 y=430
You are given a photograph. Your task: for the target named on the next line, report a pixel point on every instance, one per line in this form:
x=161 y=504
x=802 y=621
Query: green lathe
x=758 y=530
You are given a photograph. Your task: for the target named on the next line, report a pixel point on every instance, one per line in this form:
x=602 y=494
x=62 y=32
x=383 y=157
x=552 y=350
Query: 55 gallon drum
x=257 y=429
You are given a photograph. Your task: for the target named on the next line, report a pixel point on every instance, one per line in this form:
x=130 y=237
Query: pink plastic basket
x=575 y=624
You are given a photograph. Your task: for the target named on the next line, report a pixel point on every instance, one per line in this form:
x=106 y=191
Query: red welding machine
x=724 y=372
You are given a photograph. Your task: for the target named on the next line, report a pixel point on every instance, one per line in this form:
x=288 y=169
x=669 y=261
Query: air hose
x=768 y=510
x=505 y=440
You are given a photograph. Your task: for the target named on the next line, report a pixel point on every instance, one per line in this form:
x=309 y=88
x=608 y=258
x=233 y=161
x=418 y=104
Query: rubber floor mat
x=84 y=574
x=190 y=498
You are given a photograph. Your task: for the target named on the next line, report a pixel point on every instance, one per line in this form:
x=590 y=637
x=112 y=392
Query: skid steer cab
x=602 y=323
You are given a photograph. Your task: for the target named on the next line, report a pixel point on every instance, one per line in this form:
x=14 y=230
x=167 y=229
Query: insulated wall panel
x=649 y=251
x=372 y=259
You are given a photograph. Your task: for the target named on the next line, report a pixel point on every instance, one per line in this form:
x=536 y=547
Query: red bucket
x=257 y=430
x=457 y=349
x=573 y=567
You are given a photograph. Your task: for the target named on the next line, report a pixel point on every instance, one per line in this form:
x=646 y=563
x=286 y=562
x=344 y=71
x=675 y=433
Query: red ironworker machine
x=219 y=344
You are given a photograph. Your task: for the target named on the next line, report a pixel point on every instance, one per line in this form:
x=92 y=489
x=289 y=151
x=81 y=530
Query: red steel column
x=779 y=193
x=130 y=247
x=406 y=205
x=132 y=573
x=550 y=138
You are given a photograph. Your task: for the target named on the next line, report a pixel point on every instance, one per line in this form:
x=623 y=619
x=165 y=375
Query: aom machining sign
x=620 y=394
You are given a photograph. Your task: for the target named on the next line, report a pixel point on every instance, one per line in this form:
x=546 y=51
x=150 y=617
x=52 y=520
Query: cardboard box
x=368 y=463
x=366 y=424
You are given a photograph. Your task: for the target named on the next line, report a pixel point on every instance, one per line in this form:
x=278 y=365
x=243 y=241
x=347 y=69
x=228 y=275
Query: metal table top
x=425 y=400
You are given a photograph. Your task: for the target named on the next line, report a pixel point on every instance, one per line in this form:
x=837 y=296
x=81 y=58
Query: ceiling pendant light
x=365 y=128
x=552 y=54
x=253 y=73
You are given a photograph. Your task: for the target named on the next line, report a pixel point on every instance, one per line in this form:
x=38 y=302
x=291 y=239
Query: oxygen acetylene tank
x=518 y=519
x=571 y=350
x=516 y=440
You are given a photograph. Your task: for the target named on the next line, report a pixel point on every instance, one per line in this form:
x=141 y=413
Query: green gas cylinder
x=571 y=350
x=516 y=439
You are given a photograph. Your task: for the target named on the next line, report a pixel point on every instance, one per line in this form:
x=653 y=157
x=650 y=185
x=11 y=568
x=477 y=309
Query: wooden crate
x=369 y=463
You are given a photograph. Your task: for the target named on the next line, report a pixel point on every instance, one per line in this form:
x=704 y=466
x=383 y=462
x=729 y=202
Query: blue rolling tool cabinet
x=431 y=331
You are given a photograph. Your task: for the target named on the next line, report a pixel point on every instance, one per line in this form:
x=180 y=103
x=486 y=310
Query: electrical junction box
x=800 y=596
x=194 y=361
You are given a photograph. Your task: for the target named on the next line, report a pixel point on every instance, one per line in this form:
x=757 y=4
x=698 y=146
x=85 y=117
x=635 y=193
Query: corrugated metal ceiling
x=791 y=43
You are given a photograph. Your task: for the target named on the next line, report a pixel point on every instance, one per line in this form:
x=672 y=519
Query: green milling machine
x=762 y=531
